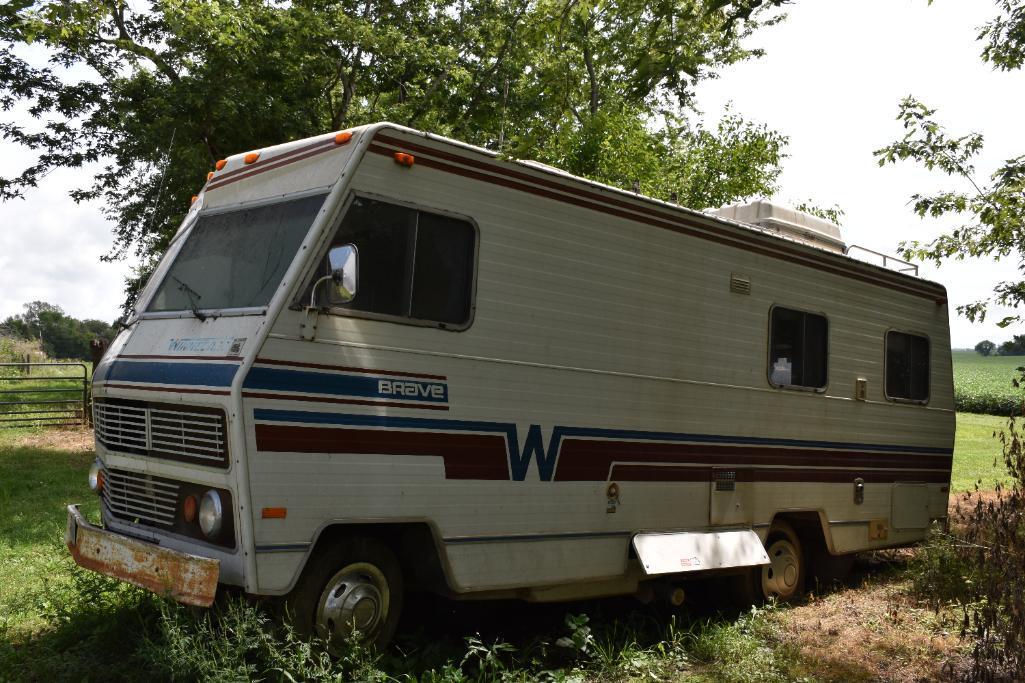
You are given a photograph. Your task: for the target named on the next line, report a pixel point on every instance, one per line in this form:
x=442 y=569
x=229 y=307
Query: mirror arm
x=313 y=290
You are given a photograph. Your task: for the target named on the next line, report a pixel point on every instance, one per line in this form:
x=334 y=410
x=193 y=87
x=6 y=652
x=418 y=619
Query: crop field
x=984 y=384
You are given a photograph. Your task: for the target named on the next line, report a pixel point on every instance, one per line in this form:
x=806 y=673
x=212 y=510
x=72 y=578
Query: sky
x=831 y=80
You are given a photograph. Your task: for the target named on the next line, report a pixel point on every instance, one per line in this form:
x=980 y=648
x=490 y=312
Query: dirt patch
x=875 y=632
x=71 y=439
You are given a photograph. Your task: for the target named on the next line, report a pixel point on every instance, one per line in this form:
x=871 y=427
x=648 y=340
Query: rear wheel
x=783 y=578
x=354 y=587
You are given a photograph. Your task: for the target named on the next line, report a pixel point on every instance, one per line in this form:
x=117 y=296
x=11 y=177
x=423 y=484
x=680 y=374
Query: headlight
x=211 y=514
x=96 y=477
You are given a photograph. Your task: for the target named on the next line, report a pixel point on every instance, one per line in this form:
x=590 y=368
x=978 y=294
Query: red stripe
x=667 y=221
x=173 y=390
x=218 y=177
x=350 y=401
x=590 y=460
x=763 y=474
x=270 y=166
x=466 y=456
x=369 y=371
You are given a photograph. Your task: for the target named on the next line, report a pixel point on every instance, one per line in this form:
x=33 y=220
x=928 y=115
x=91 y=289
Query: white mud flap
x=691 y=551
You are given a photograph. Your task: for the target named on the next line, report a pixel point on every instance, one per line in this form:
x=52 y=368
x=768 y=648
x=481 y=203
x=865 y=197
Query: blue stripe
x=191 y=374
x=277 y=379
x=270 y=415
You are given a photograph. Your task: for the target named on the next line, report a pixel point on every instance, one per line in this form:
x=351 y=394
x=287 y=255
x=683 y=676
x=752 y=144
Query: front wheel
x=352 y=588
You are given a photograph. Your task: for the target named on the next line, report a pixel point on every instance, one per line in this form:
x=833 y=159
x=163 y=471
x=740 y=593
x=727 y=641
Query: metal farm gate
x=43 y=394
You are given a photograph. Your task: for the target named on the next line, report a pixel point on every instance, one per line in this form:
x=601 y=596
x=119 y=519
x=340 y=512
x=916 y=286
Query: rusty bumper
x=189 y=579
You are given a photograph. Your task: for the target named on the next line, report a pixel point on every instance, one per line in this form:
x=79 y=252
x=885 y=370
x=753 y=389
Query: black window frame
x=886 y=367
x=768 y=354
x=329 y=235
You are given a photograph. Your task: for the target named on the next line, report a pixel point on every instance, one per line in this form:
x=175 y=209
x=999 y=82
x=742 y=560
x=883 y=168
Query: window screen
x=907 y=366
x=412 y=263
x=797 y=348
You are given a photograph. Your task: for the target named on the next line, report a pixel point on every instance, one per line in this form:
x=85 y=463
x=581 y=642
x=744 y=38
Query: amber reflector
x=251 y=157
x=100 y=480
x=194 y=198
x=274 y=513
x=342 y=138
x=189 y=508
x=404 y=159
x=210 y=176
x=221 y=164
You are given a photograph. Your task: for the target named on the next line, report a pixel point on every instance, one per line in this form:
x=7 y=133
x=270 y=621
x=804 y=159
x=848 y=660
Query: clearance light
x=189 y=509
x=209 y=176
x=342 y=138
x=251 y=157
x=404 y=159
x=274 y=513
x=221 y=164
x=194 y=198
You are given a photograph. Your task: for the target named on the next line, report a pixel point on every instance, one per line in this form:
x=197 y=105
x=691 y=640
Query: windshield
x=237 y=258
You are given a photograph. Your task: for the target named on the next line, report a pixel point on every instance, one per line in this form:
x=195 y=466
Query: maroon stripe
x=677 y=223
x=349 y=401
x=270 y=166
x=218 y=177
x=369 y=371
x=763 y=474
x=589 y=460
x=466 y=456
x=174 y=390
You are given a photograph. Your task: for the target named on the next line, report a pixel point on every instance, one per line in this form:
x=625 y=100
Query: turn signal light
x=342 y=138
x=189 y=509
x=251 y=157
x=404 y=159
x=274 y=513
x=221 y=164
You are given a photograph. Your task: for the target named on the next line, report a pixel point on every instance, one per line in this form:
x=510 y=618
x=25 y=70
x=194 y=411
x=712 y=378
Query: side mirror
x=344 y=261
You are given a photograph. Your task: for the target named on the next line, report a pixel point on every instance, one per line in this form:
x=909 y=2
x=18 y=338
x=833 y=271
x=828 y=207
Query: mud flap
x=690 y=551
x=189 y=579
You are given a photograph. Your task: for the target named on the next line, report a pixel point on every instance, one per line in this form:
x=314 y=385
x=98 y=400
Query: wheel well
x=809 y=528
x=412 y=542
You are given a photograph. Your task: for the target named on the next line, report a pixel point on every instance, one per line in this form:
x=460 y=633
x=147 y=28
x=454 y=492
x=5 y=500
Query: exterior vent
x=725 y=480
x=740 y=284
x=172 y=432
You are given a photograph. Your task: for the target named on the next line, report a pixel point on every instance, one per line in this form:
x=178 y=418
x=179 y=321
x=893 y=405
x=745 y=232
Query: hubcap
x=780 y=577
x=355 y=599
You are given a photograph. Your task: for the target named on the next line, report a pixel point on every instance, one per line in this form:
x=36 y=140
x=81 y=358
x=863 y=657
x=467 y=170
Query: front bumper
x=189 y=579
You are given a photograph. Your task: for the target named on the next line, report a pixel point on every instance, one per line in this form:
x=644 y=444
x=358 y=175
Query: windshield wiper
x=194 y=297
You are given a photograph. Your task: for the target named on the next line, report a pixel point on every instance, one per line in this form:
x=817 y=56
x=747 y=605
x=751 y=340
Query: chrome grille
x=137 y=496
x=193 y=434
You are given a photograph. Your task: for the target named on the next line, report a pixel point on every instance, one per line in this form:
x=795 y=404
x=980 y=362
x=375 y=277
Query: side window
x=798 y=343
x=907 y=366
x=412 y=264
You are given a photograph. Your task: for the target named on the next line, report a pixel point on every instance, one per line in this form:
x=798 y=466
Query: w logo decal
x=533 y=446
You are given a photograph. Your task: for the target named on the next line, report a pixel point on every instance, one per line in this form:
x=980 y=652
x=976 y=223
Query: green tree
x=985 y=347
x=992 y=211
x=60 y=335
x=174 y=86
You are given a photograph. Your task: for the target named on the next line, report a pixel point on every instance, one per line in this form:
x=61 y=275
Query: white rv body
x=606 y=413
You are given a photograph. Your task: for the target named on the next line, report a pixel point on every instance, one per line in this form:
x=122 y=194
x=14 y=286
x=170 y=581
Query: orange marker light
x=221 y=164
x=342 y=138
x=209 y=176
x=274 y=513
x=194 y=198
x=189 y=508
x=404 y=159
x=101 y=479
x=251 y=157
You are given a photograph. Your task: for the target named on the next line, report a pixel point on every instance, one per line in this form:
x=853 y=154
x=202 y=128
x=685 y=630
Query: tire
x=783 y=578
x=357 y=581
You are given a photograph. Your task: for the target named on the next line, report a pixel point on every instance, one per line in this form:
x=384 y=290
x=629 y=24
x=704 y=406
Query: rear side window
x=798 y=343
x=412 y=264
x=907 y=366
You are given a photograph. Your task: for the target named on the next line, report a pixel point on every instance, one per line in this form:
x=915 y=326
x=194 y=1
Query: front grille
x=191 y=434
x=134 y=496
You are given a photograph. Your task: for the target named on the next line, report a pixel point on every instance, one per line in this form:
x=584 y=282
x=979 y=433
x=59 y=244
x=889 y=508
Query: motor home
x=380 y=359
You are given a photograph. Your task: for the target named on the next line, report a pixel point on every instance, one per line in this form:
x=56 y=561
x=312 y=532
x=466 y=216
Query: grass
x=58 y=622
x=978 y=457
x=983 y=384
